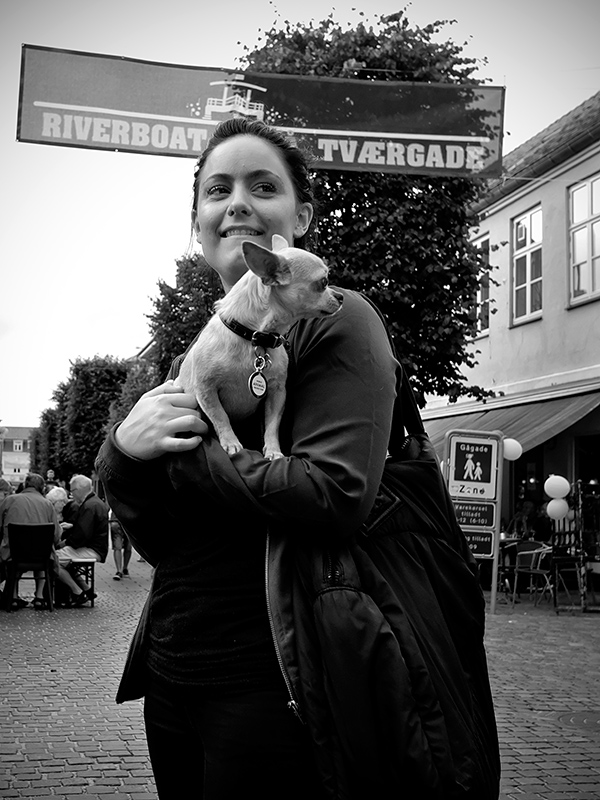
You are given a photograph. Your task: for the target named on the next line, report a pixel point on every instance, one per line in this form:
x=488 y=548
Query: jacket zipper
x=293 y=704
x=333 y=570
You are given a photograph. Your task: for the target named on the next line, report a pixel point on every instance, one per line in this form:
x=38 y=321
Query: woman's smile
x=245 y=192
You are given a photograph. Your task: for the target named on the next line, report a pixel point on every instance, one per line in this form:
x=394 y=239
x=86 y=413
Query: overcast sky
x=86 y=235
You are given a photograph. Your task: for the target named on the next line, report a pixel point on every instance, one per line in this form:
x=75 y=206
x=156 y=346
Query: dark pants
x=222 y=746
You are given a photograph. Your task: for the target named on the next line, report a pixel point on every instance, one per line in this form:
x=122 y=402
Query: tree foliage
x=142 y=375
x=403 y=240
x=181 y=311
x=69 y=435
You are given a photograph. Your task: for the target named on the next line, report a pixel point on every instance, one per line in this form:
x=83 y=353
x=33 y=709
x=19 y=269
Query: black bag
x=399 y=614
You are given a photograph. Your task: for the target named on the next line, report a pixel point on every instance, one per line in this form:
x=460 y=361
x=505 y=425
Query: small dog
x=245 y=337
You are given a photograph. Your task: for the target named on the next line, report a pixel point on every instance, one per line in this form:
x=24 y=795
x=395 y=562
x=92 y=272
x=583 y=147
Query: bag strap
x=406 y=415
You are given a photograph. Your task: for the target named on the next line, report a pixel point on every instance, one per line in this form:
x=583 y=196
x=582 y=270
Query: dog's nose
x=339 y=297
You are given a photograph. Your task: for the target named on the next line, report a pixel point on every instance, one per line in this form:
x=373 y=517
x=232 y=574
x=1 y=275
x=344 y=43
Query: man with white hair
x=85 y=537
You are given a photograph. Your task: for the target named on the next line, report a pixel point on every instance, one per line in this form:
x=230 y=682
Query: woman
x=215 y=656
x=59 y=499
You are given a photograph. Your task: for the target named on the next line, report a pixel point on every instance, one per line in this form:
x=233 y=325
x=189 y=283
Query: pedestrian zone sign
x=473 y=467
x=473 y=473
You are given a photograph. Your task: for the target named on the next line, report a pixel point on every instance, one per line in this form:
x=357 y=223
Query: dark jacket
x=27 y=506
x=370 y=702
x=90 y=526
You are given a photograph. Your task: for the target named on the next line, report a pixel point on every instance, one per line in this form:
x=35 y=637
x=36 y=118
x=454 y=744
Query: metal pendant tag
x=257 y=383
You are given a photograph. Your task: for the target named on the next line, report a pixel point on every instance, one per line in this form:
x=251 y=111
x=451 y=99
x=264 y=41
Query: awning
x=530 y=424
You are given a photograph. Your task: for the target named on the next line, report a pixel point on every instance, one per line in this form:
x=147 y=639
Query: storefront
x=559 y=435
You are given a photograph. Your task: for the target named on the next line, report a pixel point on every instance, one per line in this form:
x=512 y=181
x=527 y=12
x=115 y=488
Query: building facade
x=15 y=444
x=539 y=316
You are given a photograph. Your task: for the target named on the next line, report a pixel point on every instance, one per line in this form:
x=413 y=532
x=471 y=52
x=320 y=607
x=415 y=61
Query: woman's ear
x=303 y=219
x=196 y=227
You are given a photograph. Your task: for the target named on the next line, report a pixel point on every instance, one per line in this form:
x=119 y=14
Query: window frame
x=482 y=299
x=590 y=224
x=527 y=253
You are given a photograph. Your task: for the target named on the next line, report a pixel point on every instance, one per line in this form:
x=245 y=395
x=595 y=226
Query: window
x=527 y=266
x=584 y=235
x=483 y=293
x=18 y=446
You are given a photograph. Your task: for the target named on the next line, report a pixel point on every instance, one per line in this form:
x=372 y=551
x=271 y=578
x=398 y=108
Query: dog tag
x=257 y=383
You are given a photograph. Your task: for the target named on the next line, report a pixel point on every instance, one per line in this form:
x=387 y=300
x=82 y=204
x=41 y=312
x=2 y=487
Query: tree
x=403 y=240
x=94 y=384
x=142 y=375
x=49 y=439
x=180 y=312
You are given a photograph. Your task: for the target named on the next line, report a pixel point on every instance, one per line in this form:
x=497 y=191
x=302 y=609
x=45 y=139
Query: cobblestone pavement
x=63 y=736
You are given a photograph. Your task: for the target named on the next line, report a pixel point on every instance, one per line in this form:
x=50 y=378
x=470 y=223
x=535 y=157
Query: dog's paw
x=231 y=448
x=272 y=454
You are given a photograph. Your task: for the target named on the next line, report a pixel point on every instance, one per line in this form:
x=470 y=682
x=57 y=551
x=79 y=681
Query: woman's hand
x=155 y=424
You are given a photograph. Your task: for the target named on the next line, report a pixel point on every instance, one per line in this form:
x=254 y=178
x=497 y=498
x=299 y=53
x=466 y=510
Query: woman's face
x=59 y=505
x=245 y=193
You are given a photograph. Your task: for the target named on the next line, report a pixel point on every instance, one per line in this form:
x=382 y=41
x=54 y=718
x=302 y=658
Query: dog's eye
x=323 y=284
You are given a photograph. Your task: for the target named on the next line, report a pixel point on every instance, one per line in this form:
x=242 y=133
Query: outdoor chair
x=568 y=561
x=30 y=546
x=533 y=562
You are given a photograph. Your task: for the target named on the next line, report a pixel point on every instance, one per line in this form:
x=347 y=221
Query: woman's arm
x=336 y=428
x=132 y=469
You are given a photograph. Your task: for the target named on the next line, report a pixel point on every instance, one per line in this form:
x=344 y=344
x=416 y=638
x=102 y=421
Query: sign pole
x=473 y=468
x=496 y=559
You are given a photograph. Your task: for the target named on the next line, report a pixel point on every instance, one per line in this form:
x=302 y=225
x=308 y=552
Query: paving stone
x=63 y=735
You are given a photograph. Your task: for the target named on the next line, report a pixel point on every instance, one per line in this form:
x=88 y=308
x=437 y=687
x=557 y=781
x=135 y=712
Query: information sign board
x=481 y=544
x=473 y=466
x=475 y=515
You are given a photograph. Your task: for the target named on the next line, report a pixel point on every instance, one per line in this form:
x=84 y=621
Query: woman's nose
x=238 y=203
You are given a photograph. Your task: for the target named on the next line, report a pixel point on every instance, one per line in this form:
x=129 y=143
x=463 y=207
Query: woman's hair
x=56 y=494
x=296 y=160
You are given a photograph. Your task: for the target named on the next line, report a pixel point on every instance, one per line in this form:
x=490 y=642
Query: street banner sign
x=104 y=102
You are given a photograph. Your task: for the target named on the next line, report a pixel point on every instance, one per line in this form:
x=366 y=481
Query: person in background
x=59 y=498
x=121 y=547
x=5 y=489
x=522 y=524
x=85 y=537
x=29 y=505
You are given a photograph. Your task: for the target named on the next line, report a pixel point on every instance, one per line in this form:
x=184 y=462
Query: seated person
x=27 y=506
x=85 y=537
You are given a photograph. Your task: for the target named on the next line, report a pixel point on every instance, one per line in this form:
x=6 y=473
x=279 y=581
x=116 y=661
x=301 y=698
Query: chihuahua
x=245 y=338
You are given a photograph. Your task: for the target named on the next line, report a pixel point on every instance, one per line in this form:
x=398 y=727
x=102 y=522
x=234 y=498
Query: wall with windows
x=543 y=321
x=15 y=452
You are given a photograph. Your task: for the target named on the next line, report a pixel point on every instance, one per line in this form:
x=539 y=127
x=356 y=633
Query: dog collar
x=266 y=339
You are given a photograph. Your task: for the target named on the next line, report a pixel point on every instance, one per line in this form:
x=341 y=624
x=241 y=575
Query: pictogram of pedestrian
x=478 y=473
x=469 y=467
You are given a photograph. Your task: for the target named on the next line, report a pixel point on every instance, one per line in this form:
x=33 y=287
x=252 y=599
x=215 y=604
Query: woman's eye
x=216 y=190
x=267 y=188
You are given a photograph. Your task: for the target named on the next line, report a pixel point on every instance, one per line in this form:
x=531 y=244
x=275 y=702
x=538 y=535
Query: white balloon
x=557 y=486
x=512 y=449
x=557 y=508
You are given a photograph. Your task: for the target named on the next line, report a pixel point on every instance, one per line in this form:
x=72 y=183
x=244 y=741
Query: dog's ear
x=267 y=265
x=278 y=243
